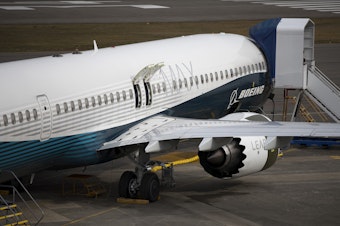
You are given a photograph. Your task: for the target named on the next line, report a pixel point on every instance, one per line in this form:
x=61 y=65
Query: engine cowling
x=242 y=156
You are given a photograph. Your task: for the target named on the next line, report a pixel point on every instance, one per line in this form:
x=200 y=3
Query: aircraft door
x=46 y=117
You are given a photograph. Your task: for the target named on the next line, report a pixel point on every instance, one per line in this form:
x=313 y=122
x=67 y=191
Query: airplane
x=86 y=108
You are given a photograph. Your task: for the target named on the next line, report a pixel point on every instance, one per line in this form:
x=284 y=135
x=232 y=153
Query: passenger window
x=154 y=89
x=131 y=94
x=164 y=87
x=13 y=119
x=236 y=72
x=185 y=82
x=124 y=95
x=21 y=117
x=260 y=66
x=174 y=85
x=244 y=70
x=216 y=76
x=196 y=80
x=240 y=71
x=28 y=115
x=180 y=83
x=211 y=77
x=111 y=98
x=231 y=73
x=87 y=104
x=57 y=107
x=35 y=114
x=256 y=68
x=252 y=68
x=226 y=73
x=202 y=79
x=118 y=96
x=191 y=81
x=80 y=105
x=158 y=88
x=73 y=107
x=93 y=100
x=106 y=100
x=248 y=69
x=5 y=120
x=99 y=100
x=206 y=78
x=65 y=108
x=221 y=73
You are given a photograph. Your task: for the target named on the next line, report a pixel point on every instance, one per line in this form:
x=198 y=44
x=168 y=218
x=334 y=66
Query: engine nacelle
x=242 y=156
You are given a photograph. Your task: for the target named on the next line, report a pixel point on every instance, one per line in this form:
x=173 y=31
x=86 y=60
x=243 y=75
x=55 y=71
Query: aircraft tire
x=127 y=185
x=150 y=187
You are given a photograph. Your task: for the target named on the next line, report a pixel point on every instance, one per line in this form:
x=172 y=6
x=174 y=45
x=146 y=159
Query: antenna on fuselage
x=95 y=47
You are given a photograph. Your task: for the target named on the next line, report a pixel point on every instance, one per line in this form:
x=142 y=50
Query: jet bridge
x=288 y=44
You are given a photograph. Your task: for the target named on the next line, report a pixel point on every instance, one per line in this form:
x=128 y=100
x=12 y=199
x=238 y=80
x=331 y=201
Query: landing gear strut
x=141 y=183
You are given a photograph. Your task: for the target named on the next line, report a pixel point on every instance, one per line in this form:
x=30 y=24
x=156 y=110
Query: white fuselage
x=63 y=108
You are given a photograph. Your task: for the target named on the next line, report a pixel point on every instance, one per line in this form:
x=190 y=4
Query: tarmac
x=302 y=188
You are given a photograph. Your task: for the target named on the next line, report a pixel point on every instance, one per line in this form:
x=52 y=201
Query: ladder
x=14 y=208
x=12 y=215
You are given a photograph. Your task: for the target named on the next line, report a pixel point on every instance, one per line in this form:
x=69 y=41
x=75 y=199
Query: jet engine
x=242 y=155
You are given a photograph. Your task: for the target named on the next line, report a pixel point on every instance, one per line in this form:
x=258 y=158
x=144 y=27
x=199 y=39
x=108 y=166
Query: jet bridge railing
x=323 y=92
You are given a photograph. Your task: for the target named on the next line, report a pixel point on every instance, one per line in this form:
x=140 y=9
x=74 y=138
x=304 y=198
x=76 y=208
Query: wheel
x=150 y=187
x=127 y=185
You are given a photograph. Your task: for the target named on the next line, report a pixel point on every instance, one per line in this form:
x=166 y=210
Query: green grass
x=67 y=37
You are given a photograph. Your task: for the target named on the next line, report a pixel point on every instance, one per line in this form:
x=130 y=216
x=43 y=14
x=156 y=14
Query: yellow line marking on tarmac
x=336 y=157
x=290 y=150
x=92 y=215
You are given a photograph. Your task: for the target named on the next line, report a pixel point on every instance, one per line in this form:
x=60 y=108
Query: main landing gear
x=141 y=183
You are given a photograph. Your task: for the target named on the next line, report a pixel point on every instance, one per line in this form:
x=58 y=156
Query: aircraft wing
x=159 y=130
